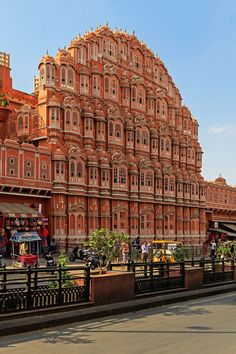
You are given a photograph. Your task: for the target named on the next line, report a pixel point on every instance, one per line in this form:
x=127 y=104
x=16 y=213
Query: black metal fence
x=153 y=276
x=217 y=271
x=35 y=288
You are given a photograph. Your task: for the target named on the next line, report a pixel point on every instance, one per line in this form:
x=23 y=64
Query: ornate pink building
x=123 y=150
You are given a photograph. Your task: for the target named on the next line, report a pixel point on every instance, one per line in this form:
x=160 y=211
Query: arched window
x=82 y=55
x=118 y=131
x=122 y=175
x=142 y=179
x=145 y=137
x=110 y=128
x=20 y=123
x=138 y=136
x=79 y=169
x=149 y=179
x=72 y=169
x=71 y=77
x=114 y=87
x=162 y=144
x=172 y=184
x=68 y=115
x=42 y=74
x=106 y=84
x=94 y=51
x=63 y=75
x=26 y=117
x=115 y=218
x=115 y=174
x=75 y=120
x=167 y=145
x=134 y=94
x=111 y=49
x=48 y=73
x=35 y=122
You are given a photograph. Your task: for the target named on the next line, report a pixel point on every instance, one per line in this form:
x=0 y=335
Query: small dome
x=64 y=56
x=220 y=180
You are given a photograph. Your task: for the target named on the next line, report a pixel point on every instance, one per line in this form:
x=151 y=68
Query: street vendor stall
x=28 y=250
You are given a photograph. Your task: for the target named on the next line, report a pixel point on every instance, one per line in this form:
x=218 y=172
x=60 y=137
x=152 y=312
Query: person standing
x=213 y=249
x=145 y=251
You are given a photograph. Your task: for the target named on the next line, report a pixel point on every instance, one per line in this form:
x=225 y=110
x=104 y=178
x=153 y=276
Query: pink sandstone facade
x=106 y=142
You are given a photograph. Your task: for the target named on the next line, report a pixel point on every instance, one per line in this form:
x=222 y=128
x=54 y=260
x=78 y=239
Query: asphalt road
x=204 y=326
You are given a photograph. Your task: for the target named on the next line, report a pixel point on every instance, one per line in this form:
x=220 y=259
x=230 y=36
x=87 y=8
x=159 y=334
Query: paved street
x=203 y=326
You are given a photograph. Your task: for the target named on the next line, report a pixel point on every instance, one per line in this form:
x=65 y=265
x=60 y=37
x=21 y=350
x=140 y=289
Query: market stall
x=26 y=247
x=15 y=217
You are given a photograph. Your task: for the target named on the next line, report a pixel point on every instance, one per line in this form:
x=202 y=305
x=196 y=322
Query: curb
x=41 y=321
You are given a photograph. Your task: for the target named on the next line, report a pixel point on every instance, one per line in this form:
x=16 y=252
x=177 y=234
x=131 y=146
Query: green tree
x=181 y=253
x=103 y=242
x=66 y=278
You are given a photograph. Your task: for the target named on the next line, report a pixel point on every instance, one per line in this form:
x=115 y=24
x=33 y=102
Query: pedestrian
x=136 y=244
x=125 y=251
x=213 y=248
x=145 y=250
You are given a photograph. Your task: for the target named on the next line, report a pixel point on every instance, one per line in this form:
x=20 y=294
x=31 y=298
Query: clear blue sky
x=195 y=39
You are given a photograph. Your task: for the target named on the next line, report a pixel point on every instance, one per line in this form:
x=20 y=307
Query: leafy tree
x=66 y=279
x=181 y=253
x=103 y=243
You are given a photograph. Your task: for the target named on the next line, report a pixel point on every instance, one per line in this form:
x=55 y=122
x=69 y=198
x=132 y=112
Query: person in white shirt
x=145 y=250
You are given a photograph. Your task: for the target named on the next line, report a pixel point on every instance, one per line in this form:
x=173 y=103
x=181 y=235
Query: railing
x=35 y=288
x=154 y=277
x=217 y=271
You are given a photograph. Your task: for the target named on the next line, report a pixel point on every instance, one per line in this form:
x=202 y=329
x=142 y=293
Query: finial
x=91 y=28
x=47 y=52
x=134 y=32
x=64 y=46
x=220 y=174
x=59 y=49
x=107 y=24
x=125 y=30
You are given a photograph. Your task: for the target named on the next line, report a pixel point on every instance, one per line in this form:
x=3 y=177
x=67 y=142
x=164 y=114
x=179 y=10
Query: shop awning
x=230 y=226
x=223 y=232
x=16 y=210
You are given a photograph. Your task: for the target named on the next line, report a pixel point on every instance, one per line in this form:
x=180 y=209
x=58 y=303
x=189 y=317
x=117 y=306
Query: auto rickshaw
x=163 y=250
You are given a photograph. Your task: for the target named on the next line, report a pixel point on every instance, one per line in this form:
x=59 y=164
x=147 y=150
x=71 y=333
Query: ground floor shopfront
x=75 y=217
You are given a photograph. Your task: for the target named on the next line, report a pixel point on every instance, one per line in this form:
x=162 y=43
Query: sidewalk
x=39 y=319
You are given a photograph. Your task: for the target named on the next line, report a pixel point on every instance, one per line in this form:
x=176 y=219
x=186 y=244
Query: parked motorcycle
x=93 y=261
x=50 y=262
x=79 y=254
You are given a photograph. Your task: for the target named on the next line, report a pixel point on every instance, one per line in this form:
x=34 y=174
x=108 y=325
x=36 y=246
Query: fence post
x=129 y=266
x=182 y=266
x=59 y=284
x=28 y=285
x=192 y=262
x=4 y=278
x=145 y=270
x=87 y=282
x=168 y=274
x=35 y=277
x=151 y=275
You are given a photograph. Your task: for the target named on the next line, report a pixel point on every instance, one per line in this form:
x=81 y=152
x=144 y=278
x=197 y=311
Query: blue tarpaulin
x=25 y=236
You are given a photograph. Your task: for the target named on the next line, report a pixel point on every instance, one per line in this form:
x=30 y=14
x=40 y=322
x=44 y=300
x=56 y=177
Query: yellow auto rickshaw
x=163 y=250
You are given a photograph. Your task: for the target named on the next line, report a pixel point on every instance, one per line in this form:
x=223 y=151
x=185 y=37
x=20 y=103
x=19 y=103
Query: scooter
x=50 y=261
x=93 y=261
x=81 y=255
